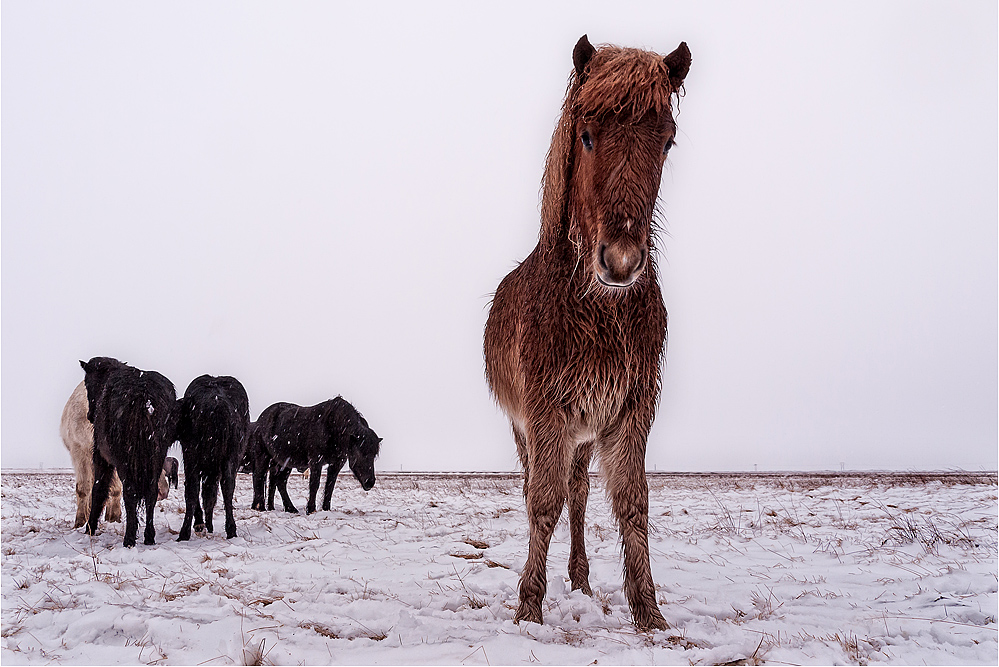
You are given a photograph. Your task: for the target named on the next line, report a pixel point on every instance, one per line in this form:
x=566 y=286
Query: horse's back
x=286 y=431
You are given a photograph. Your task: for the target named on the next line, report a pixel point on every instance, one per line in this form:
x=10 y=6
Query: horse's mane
x=626 y=83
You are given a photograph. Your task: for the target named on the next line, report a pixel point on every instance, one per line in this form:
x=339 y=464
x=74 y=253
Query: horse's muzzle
x=620 y=264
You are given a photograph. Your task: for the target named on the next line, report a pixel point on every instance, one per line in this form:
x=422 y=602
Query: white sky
x=320 y=198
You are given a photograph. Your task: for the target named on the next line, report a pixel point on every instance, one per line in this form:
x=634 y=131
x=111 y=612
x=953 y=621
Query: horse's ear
x=678 y=63
x=83 y=365
x=581 y=54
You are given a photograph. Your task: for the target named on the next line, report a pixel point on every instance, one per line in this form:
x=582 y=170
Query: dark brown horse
x=576 y=334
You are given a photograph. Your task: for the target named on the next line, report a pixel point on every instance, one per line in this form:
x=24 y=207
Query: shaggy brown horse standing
x=576 y=333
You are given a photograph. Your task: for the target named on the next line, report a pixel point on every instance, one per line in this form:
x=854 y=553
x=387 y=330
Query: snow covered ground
x=751 y=569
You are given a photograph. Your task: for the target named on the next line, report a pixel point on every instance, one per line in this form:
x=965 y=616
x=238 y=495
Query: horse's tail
x=138 y=433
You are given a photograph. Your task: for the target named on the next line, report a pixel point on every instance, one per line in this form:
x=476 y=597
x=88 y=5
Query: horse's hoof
x=184 y=537
x=651 y=620
x=583 y=586
x=148 y=541
x=230 y=534
x=529 y=615
x=128 y=544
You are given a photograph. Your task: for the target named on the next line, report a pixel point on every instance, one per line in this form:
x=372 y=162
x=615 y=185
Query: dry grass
x=492 y=563
x=256 y=655
x=476 y=544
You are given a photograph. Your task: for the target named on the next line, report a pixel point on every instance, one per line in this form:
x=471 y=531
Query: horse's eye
x=668 y=145
x=587 y=141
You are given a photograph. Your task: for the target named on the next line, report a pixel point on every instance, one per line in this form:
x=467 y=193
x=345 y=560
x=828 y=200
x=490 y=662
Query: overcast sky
x=320 y=198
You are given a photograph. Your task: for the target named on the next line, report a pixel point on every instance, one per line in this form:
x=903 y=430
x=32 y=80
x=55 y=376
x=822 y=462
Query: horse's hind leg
x=192 y=488
x=131 y=499
x=579 y=489
x=84 y=488
x=149 y=536
x=629 y=493
x=112 y=506
x=99 y=491
x=209 y=496
x=546 y=492
x=228 y=489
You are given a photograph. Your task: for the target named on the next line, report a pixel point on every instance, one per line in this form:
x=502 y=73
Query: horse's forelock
x=623 y=82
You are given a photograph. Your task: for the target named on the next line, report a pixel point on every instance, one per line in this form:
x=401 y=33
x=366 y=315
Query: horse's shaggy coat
x=212 y=428
x=134 y=418
x=576 y=333
x=287 y=436
x=78 y=436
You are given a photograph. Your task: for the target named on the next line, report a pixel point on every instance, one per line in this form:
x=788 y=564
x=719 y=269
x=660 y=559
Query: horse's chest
x=601 y=362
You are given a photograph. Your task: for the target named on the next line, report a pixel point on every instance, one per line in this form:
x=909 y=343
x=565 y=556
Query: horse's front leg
x=331 y=474
x=521 y=441
x=279 y=478
x=624 y=453
x=579 y=489
x=546 y=492
x=315 y=477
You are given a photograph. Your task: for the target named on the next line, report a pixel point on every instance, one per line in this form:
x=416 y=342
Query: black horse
x=287 y=436
x=134 y=414
x=212 y=428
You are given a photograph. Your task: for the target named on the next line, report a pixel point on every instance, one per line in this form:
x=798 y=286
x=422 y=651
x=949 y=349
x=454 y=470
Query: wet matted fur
x=287 y=436
x=212 y=428
x=134 y=414
x=576 y=333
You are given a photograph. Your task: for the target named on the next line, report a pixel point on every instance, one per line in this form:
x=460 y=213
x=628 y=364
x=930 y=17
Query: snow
x=750 y=569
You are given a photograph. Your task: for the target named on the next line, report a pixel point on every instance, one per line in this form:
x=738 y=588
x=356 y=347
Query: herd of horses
x=574 y=345
x=120 y=422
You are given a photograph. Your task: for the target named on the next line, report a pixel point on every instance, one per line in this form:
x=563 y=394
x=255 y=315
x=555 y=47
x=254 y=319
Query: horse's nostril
x=603 y=262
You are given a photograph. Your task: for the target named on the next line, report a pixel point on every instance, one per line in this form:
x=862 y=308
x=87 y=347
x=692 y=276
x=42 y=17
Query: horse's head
x=362 y=449
x=616 y=130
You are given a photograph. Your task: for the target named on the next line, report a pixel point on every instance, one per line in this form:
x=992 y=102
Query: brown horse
x=576 y=333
